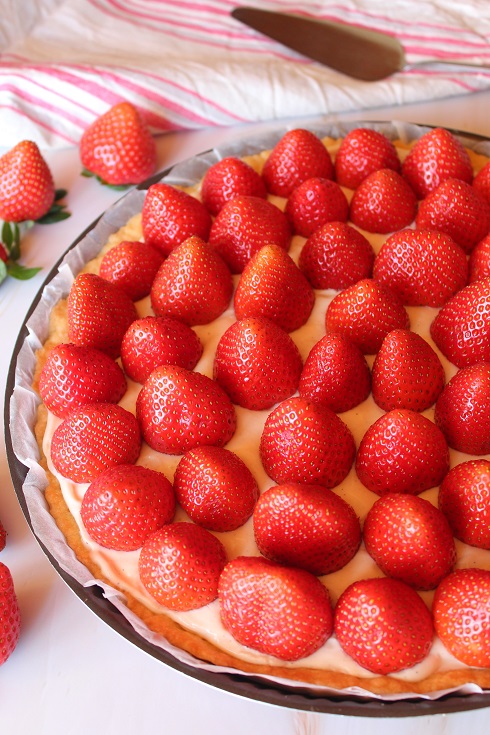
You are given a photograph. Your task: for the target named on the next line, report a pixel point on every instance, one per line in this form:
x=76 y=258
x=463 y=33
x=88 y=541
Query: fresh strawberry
x=227 y=179
x=179 y=410
x=410 y=540
x=193 y=284
x=463 y=408
x=383 y=202
x=132 y=266
x=438 y=155
x=257 y=363
x=125 y=504
x=180 y=566
x=243 y=226
x=9 y=615
x=306 y=443
x=335 y=374
x=383 y=624
x=407 y=372
x=422 y=267
x=158 y=340
x=274 y=609
x=215 y=488
x=336 y=256
x=481 y=182
x=315 y=202
x=272 y=286
x=73 y=376
x=461 y=611
x=402 y=452
x=98 y=314
x=362 y=152
x=170 y=215
x=299 y=155
x=93 y=438
x=464 y=498
x=364 y=313
x=461 y=329
x=306 y=526
x=479 y=261
x=457 y=209
x=118 y=147
x=26 y=184
x=3 y=536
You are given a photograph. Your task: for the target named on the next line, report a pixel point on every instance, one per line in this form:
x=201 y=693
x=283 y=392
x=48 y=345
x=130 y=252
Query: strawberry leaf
x=3 y=271
x=11 y=239
x=116 y=187
x=60 y=194
x=20 y=272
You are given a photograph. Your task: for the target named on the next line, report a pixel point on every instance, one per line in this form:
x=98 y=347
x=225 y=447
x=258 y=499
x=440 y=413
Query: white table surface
x=71 y=673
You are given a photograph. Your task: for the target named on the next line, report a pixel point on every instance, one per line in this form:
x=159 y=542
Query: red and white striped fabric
x=189 y=64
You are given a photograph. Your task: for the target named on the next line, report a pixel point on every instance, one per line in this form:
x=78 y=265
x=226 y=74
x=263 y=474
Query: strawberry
x=315 y=202
x=3 y=536
x=158 y=340
x=362 y=152
x=402 y=452
x=274 y=609
x=179 y=410
x=73 y=376
x=132 y=266
x=383 y=202
x=335 y=374
x=98 y=314
x=125 y=504
x=306 y=443
x=9 y=615
x=410 y=540
x=170 y=215
x=463 y=408
x=27 y=189
x=180 y=565
x=364 y=313
x=299 y=155
x=407 y=372
x=336 y=256
x=457 y=209
x=215 y=488
x=272 y=286
x=438 y=155
x=479 y=262
x=227 y=179
x=193 y=284
x=464 y=498
x=422 y=267
x=93 y=438
x=383 y=625
x=461 y=611
x=481 y=182
x=461 y=329
x=257 y=363
x=244 y=225
x=118 y=147
x=306 y=526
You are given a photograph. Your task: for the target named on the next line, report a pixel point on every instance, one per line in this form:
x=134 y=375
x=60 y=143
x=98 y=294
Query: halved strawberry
x=132 y=266
x=227 y=179
x=10 y=621
x=26 y=185
x=383 y=202
x=464 y=498
x=361 y=152
x=315 y=202
x=479 y=262
x=299 y=155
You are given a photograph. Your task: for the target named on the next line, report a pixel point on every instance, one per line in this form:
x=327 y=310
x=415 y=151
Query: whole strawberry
x=299 y=155
x=464 y=498
x=257 y=363
x=215 y=488
x=383 y=202
x=410 y=539
x=228 y=178
x=180 y=565
x=479 y=261
x=481 y=182
x=132 y=266
x=402 y=452
x=27 y=189
x=118 y=147
x=9 y=615
x=306 y=443
x=383 y=625
x=179 y=410
x=125 y=504
x=274 y=609
x=361 y=152
x=306 y=526
x=314 y=203
x=461 y=611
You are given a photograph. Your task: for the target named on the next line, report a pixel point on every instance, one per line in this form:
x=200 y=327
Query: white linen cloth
x=189 y=64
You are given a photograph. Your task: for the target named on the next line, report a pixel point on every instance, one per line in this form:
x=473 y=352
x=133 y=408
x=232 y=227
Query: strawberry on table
x=383 y=202
x=132 y=266
x=361 y=152
x=315 y=202
x=479 y=261
x=227 y=179
x=27 y=190
x=10 y=622
x=275 y=609
x=464 y=498
x=118 y=147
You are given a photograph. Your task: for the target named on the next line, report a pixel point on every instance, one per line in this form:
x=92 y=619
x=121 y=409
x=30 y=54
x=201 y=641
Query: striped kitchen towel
x=189 y=64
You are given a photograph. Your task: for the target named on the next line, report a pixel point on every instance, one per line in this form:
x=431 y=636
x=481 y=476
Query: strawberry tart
x=264 y=411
